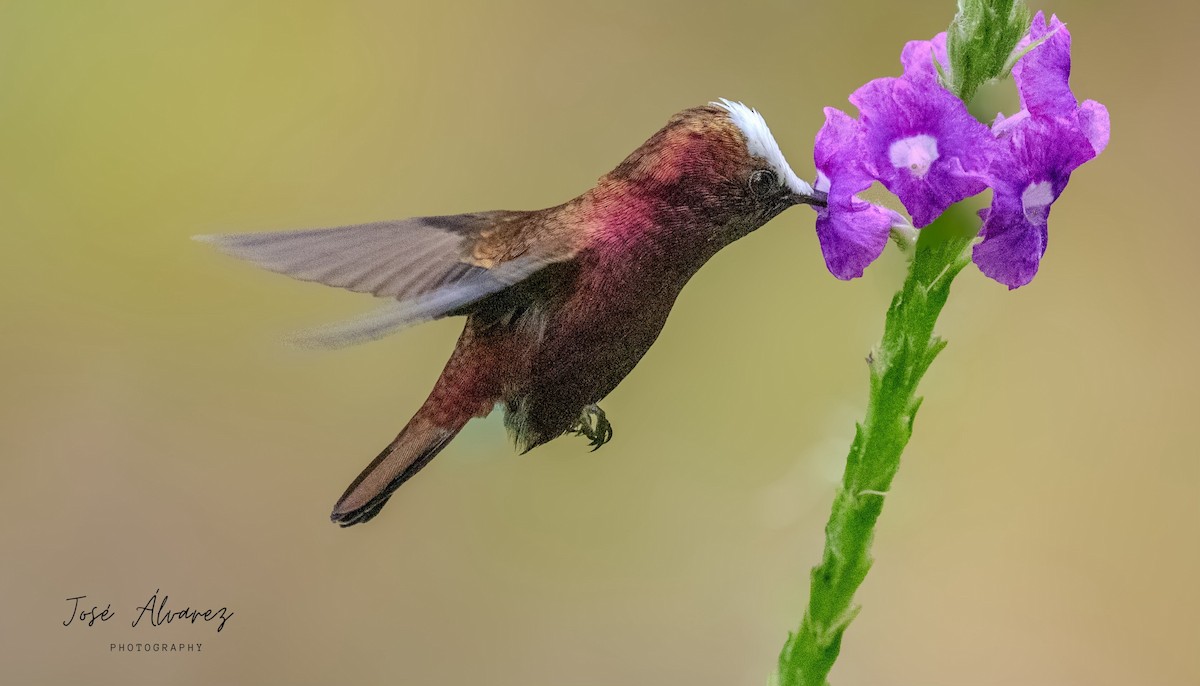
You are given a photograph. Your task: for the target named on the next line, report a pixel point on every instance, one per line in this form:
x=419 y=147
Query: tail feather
x=416 y=445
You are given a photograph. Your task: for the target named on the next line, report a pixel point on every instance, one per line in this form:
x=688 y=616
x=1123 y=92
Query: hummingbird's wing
x=430 y=266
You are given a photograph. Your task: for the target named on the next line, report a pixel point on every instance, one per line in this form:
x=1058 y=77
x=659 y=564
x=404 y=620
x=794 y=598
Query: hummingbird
x=560 y=303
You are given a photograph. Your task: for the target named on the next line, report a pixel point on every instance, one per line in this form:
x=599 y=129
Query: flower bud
x=979 y=42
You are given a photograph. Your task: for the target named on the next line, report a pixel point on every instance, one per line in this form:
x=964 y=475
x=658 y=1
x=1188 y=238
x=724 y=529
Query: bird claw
x=594 y=425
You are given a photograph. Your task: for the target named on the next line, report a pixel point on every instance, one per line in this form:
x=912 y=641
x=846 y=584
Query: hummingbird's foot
x=594 y=425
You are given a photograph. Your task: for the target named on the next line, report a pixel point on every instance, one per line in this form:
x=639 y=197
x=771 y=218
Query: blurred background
x=1044 y=528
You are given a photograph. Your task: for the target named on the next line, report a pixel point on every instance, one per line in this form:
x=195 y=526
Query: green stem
x=896 y=367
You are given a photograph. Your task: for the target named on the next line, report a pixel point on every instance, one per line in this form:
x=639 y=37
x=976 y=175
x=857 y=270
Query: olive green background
x=1044 y=528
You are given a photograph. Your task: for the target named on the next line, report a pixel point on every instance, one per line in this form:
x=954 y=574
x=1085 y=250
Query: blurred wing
x=394 y=259
x=443 y=301
x=431 y=265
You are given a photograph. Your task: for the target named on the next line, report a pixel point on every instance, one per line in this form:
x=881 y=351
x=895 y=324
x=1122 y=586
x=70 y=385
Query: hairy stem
x=896 y=366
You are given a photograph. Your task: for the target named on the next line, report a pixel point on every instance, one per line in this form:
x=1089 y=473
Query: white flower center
x=823 y=182
x=1035 y=200
x=915 y=152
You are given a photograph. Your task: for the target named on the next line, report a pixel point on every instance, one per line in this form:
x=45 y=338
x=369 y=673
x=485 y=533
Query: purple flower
x=922 y=144
x=1040 y=146
x=1042 y=76
x=1028 y=176
x=852 y=232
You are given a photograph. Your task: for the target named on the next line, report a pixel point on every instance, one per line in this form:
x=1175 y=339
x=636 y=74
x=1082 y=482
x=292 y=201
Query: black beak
x=816 y=199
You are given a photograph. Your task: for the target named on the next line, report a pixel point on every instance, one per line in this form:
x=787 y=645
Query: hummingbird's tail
x=418 y=443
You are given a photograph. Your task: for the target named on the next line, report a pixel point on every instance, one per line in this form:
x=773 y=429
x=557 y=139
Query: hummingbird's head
x=769 y=173
x=718 y=169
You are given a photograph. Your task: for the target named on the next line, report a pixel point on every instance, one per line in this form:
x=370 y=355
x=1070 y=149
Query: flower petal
x=1042 y=74
x=922 y=144
x=853 y=235
x=1092 y=118
x=1030 y=173
x=1012 y=247
x=1002 y=126
x=1040 y=150
x=918 y=58
x=838 y=155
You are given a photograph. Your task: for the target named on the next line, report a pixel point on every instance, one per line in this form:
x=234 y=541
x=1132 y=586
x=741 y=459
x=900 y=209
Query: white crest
x=760 y=143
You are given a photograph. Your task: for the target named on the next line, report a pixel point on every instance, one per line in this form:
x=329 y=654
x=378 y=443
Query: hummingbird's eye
x=763 y=182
